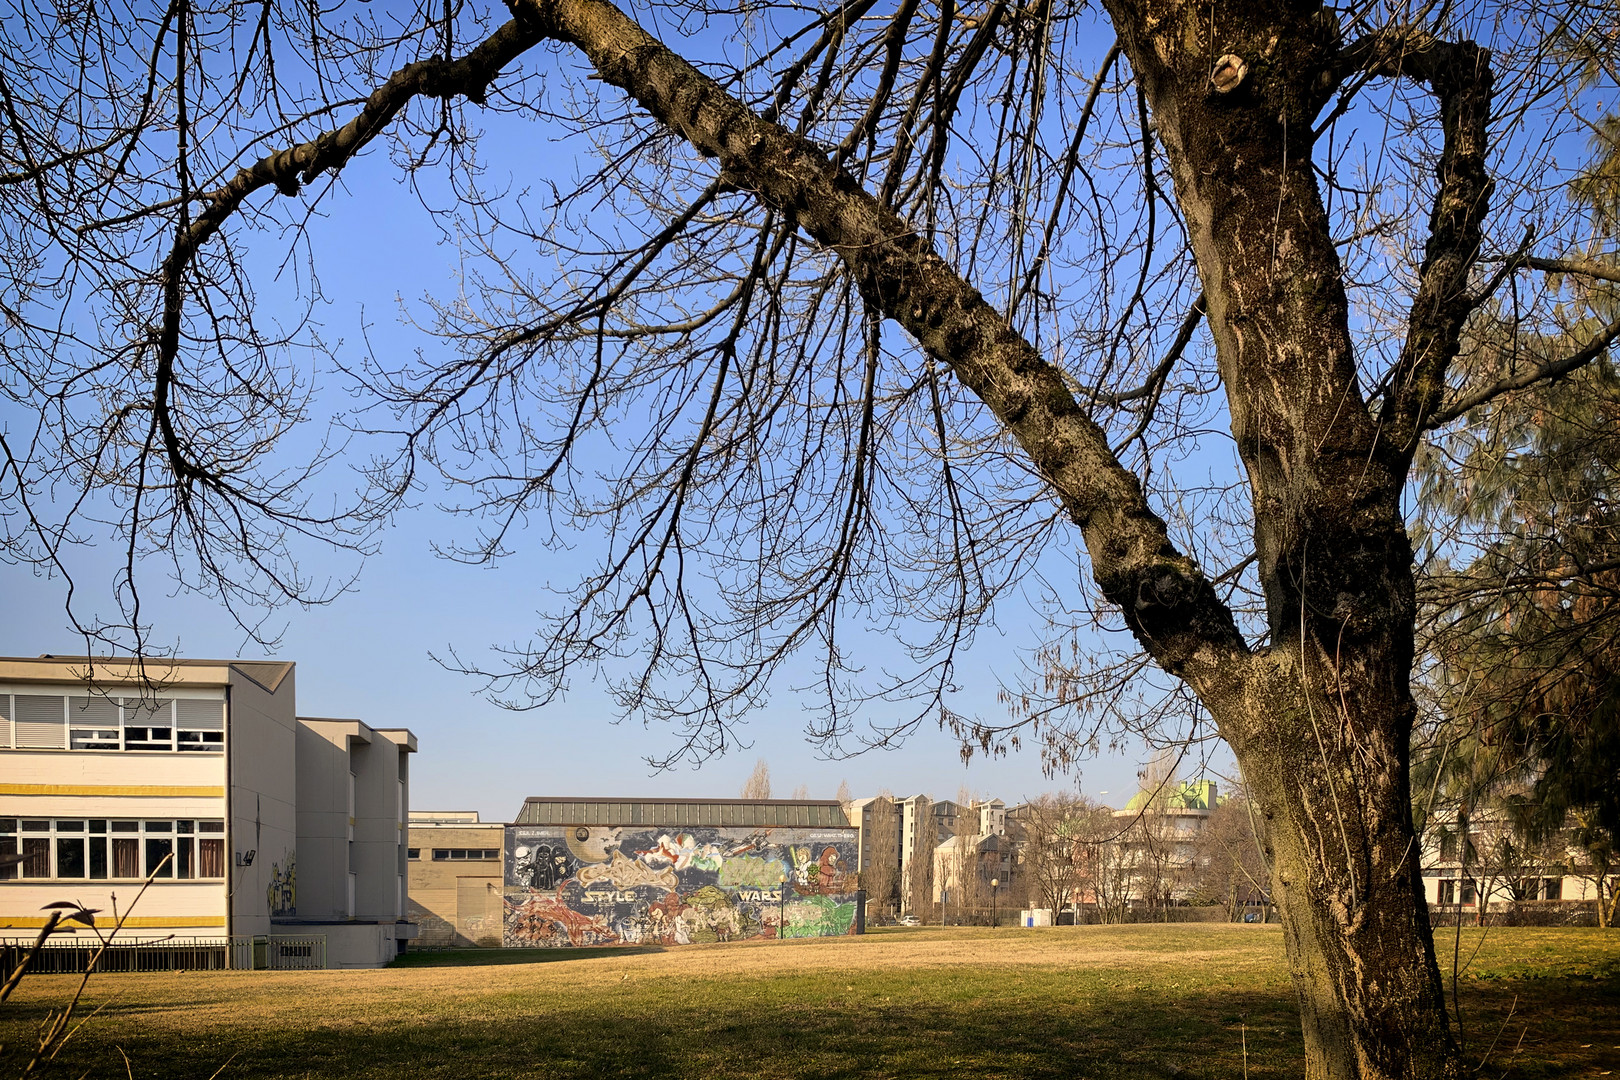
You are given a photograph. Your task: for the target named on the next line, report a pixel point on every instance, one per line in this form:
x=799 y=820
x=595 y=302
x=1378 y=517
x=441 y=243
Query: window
x=441 y=854
x=111 y=721
x=1554 y=888
x=98 y=849
x=148 y=725
x=1448 y=891
x=39 y=721
x=92 y=723
x=199 y=725
x=413 y=853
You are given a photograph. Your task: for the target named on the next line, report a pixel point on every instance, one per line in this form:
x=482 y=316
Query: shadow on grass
x=501 y=957
x=906 y=1024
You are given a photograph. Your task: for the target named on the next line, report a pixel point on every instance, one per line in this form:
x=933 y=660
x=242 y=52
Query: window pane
x=70 y=826
x=98 y=856
x=148 y=738
x=200 y=724
x=159 y=826
x=83 y=738
x=126 y=857
x=156 y=849
x=210 y=858
x=98 y=825
x=70 y=857
x=38 y=863
x=185 y=866
x=210 y=826
x=8 y=846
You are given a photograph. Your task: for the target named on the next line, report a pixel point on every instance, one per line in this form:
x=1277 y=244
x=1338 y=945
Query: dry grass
x=1147 y=1001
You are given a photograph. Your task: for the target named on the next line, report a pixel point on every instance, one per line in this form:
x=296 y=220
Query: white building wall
x=260 y=744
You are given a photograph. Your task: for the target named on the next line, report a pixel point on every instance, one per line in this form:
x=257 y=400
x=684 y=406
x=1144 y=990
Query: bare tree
x=1109 y=863
x=847 y=329
x=758 y=784
x=1052 y=847
x=918 y=875
x=880 y=876
x=1592 y=859
x=1231 y=869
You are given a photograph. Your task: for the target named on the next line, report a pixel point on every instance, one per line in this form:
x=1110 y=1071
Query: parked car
x=910 y=920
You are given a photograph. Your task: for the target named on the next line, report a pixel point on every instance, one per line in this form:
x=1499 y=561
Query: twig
x=22 y=966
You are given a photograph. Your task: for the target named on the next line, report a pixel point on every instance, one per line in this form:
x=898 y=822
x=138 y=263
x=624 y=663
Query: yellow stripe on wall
x=152 y=922
x=174 y=790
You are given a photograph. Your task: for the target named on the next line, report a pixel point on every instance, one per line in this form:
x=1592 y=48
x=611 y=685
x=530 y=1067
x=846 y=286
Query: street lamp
x=993 y=883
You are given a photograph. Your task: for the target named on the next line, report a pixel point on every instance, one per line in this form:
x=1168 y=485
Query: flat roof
x=661 y=813
x=268 y=674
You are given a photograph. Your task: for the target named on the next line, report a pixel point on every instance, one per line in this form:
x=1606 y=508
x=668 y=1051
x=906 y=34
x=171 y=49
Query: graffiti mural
x=282 y=892
x=568 y=885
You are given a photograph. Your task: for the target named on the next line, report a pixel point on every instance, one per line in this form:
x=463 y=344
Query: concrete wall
x=326 y=820
x=353 y=798
x=260 y=745
x=578 y=885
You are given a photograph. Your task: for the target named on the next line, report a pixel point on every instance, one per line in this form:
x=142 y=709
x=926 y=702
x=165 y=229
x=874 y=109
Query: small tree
x=758 y=785
x=1594 y=860
x=1231 y=868
x=1053 y=852
x=1108 y=862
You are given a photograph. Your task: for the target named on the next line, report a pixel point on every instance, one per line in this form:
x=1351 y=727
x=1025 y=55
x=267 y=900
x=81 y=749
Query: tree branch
x=1546 y=372
x=287 y=169
x=1584 y=267
x=1460 y=76
x=1169 y=604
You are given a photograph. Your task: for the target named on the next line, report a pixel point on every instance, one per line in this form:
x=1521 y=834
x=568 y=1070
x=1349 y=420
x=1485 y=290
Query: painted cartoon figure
x=542 y=866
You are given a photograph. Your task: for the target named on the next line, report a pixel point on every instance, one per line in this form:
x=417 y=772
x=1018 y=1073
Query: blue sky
x=367 y=655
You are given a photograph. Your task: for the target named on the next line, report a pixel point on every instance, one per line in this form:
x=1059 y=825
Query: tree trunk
x=1322 y=722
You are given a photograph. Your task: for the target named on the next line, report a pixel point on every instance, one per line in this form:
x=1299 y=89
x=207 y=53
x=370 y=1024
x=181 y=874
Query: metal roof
x=662 y=813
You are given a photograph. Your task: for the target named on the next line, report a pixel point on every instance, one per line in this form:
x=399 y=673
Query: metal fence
x=279 y=953
x=72 y=957
x=168 y=954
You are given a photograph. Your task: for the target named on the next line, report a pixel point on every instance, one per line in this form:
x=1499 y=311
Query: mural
x=282 y=892
x=572 y=885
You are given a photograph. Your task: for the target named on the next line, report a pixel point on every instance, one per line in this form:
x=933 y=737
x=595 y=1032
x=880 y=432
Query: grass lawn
x=1135 y=1001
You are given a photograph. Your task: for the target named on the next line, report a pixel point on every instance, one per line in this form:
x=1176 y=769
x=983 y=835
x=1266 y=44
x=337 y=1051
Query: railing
x=278 y=953
x=168 y=954
x=73 y=957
